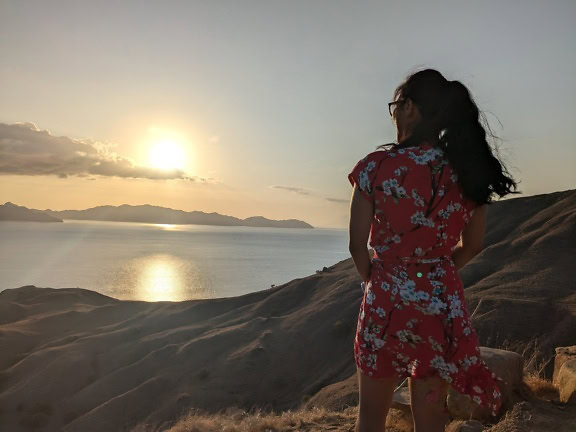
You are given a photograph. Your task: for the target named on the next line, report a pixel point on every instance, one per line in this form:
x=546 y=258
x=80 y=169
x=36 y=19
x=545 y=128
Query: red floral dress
x=413 y=319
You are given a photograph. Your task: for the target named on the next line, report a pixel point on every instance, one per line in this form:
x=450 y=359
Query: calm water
x=138 y=261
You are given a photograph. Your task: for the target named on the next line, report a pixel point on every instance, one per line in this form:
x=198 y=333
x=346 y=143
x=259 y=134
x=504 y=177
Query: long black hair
x=451 y=121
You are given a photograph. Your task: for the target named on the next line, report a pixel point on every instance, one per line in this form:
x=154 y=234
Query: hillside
x=76 y=360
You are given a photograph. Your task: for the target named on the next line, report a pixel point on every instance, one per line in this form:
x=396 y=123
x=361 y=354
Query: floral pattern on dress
x=413 y=319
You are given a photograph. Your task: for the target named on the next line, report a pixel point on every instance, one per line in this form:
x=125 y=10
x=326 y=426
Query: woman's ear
x=412 y=111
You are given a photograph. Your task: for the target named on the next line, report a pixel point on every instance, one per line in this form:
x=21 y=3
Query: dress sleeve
x=364 y=173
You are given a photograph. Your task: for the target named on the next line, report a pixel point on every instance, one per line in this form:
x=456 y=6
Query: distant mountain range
x=14 y=212
x=143 y=213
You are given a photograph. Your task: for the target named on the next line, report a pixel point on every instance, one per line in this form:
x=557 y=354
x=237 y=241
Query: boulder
x=401 y=399
x=336 y=396
x=507 y=365
x=566 y=381
x=563 y=354
x=344 y=393
x=470 y=426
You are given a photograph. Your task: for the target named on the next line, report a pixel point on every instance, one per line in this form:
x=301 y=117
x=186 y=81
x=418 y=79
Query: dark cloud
x=26 y=150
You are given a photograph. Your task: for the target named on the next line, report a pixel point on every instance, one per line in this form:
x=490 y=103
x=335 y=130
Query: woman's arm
x=361 y=216
x=472 y=239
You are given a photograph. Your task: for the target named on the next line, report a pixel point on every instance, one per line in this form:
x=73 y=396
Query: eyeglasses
x=390 y=104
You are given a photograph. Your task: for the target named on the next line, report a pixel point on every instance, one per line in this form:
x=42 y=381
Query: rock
x=343 y=394
x=563 y=354
x=507 y=365
x=336 y=396
x=401 y=400
x=470 y=426
x=566 y=381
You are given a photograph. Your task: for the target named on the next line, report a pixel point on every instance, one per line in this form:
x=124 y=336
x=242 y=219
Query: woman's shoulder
x=384 y=151
x=377 y=154
x=391 y=154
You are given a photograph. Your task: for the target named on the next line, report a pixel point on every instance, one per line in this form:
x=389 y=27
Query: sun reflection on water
x=160 y=280
x=161 y=277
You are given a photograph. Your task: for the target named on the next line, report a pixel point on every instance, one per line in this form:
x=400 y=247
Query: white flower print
x=435 y=344
x=420 y=160
x=381 y=312
x=436 y=306
x=455 y=306
x=449 y=209
x=385 y=286
x=477 y=399
x=372 y=361
x=364 y=179
x=418 y=200
x=477 y=389
x=408 y=336
x=403 y=357
x=467 y=361
x=440 y=271
x=408 y=293
x=381 y=248
x=391 y=187
x=444 y=369
x=370 y=297
x=367 y=336
x=398 y=171
x=379 y=343
x=418 y=218
x=410 y=323
x=426 y=156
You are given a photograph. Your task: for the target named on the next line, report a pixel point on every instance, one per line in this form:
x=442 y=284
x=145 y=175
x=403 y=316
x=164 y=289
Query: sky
x=262 y=108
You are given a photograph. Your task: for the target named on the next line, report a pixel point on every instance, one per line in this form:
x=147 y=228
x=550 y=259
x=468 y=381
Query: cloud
x=297 y=190
x=338 y=200
x=302 y=191
x=27 y=150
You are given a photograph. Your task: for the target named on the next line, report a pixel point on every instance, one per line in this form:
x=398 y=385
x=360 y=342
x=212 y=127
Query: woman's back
x=419 y=207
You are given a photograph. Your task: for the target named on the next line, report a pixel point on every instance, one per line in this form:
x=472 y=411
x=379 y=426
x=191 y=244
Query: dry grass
x=535 y=364
x=235 y=419
x=312 y=420
x=305 y=420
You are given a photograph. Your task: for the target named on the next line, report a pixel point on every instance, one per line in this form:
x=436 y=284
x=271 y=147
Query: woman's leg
x=375 y=401
x=428 y=403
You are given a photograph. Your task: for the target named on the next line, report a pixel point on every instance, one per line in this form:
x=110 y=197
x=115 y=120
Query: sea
x=158 y=262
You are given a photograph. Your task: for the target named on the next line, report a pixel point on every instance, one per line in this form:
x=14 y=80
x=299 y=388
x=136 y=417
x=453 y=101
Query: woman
x=417 y=199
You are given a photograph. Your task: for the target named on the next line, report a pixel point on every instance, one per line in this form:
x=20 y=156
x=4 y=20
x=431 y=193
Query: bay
x=153 y=262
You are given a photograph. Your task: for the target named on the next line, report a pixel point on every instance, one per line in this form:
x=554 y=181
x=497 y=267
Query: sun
x=167 y=154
